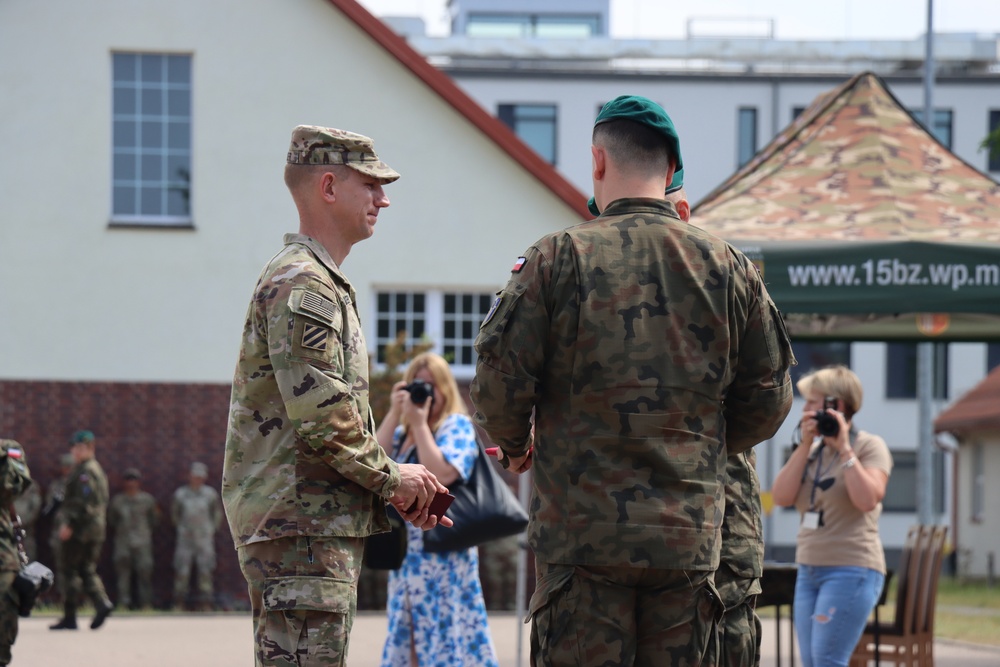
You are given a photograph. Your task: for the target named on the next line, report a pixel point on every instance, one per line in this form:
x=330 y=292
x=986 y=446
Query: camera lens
x=827 y=424
x=420 y=391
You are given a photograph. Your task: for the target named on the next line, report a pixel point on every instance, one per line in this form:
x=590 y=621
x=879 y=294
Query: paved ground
x=220 y=640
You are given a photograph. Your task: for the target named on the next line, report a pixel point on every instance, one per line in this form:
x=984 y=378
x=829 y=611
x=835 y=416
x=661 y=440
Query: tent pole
x=925 y=351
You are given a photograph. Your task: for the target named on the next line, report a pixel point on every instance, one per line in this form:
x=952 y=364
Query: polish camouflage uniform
x=28 y=507
x=649 y=350
x=741 y=563
x=54 y=495
x=14 y=479
x=197 y=515
x=305 y=480
x=84 y=510
x=132 y=518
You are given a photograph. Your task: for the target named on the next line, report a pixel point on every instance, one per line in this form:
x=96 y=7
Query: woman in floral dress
x=437 y=617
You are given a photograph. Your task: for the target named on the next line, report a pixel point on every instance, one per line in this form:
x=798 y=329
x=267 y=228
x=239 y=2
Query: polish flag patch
x=14 y=453
x=518 y=265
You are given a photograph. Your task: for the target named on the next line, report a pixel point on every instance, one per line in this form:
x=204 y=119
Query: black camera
x=33 y=580
x=420 y=391
x=826 y=423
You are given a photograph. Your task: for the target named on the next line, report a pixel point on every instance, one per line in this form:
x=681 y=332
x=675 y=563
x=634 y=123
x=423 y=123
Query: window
x=151 y=138
x=746 y=137
x=992 y=356
x=901 y=370
x=901 y=492
x=942 y=124
x=533 y=25
x=993 y=159
x=797 y=111
x=977 y=501
x=814 y=356
x=448 y=320
x=535 y=124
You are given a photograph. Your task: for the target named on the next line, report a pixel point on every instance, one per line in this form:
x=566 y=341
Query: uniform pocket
x=306 y=620
x=497 y=318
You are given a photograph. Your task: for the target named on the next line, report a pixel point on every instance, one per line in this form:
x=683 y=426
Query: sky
x=792 y=19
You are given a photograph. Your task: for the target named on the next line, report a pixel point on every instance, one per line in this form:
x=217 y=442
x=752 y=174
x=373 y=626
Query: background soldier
x=14 y=479
x=197 y=513
x=53 y=501
x=132 y=516
x=82 y=533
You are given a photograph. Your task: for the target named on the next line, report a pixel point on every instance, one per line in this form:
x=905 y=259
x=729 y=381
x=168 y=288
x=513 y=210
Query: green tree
x=992 y=143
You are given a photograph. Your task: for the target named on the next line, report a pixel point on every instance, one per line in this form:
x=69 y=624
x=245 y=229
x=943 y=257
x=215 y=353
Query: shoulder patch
x=493 y=310
x=319 y=305
x=519 y=264
x=315 y=336
x=14 y=453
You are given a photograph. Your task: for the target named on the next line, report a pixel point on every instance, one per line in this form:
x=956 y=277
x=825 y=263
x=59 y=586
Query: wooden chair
x=908 y=640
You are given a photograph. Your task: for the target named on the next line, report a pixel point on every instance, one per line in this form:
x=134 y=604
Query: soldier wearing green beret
x=14 y=480
x=304 y=479
x=644 y=352
x=82 y=532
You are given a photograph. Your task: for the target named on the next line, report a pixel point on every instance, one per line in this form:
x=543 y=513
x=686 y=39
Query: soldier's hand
x=516 y=464
x=416 y=490
x=65 y=532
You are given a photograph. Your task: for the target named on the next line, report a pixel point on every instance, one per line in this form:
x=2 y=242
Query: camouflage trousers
x=589 y=616
x=202 y=558
x=303 y=592
x=79 y=571
x=739 y=640
x=137 y=562
x=8 y=616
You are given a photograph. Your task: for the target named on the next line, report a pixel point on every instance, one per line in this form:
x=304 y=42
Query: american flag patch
x=317 y=305
x=315 y=336
x=518 y=265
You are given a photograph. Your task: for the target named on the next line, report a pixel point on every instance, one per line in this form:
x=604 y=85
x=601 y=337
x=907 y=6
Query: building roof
x=978 y=409
x=449 y=91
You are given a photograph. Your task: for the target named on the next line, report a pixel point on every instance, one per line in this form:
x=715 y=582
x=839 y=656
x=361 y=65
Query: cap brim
x=379 y=170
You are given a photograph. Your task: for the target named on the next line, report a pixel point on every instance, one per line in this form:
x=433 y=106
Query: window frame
x=943 y=118
x=172 y=90
x=992 y=123
x=510 y=114
x=741 y=139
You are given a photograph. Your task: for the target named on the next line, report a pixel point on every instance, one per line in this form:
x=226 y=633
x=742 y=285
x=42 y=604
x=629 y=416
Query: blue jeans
x=832 y=605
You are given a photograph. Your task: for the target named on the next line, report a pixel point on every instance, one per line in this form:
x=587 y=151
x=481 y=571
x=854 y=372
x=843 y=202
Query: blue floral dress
x=436 y=598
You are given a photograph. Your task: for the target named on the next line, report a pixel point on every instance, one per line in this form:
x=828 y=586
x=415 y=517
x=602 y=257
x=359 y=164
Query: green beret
x=82 y=436
x=676 y=183
x=647 y=112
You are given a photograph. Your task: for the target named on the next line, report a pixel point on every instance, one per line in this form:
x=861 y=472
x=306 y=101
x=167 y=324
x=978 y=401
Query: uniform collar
x=630 y=205
x=320 y=252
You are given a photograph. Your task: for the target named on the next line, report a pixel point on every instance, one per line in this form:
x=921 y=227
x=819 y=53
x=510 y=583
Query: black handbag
x=484 y=509
x=386 y=551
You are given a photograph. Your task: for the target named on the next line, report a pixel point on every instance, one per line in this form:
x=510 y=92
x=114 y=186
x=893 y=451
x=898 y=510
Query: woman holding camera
x=836 y=477
x=437 y=616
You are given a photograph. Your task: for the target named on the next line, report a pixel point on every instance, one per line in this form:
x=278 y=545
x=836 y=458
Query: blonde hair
x=445 y=388
x=837 y=381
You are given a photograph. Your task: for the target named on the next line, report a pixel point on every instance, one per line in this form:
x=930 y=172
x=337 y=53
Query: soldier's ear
x=598 y=162
x=327 y=185
x=683 y=210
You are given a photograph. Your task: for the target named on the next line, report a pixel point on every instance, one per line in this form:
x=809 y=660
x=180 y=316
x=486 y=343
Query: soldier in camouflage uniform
x=14 y=479
x=741 y=559
x=28 y=507
x=648 y=351
x=82 y=533
x=53 y=501
x=132 y=515
x=304 y=479
x=197 y=514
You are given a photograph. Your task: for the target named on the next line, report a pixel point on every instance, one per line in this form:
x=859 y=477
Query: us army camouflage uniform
x=132 y=518
x=304 y=478
x=197 y=514
x=649 y=350
x=14 y=480
x=84 y=510
x=741 y=563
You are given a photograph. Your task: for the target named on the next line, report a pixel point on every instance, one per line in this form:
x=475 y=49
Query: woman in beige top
x=836 y=477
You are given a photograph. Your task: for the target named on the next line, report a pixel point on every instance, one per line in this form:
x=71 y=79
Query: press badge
x=810 y=520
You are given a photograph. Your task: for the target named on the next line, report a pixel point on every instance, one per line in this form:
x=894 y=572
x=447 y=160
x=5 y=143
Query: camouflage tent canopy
x=865 y=226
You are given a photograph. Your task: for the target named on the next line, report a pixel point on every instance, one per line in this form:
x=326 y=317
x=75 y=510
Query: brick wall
x=161 y=429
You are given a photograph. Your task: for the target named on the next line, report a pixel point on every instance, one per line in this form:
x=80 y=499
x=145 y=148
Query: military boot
x=68 y=621
x=102 y=614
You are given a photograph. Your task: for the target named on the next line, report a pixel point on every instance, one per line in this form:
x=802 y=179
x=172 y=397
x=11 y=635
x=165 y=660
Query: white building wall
x=979 y=538
x=85 y=302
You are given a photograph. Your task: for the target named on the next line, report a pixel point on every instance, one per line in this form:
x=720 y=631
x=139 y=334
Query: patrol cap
x=199 y=469
x=82 y=436
x=645 y=111
x=132 y=473
x=676 y=183
x=312 y=144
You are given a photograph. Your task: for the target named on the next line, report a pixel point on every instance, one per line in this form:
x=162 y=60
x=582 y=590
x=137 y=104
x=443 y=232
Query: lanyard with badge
x=813 y=517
